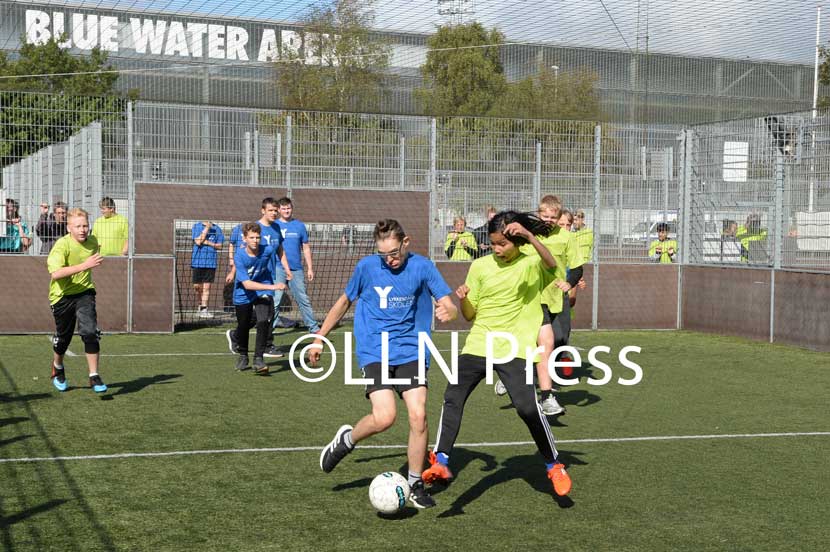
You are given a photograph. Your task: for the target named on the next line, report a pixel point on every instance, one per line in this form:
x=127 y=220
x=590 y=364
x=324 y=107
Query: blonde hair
x=566 y=213
x=77 y=212
x=550 y=202
x=459 y=219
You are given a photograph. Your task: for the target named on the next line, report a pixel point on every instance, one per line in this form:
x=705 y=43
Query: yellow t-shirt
x=585 y=240
x=506 y=297
x=565 y=250
x=112 y=234
x=665 y=258
x=459 y=253
x=68 y=252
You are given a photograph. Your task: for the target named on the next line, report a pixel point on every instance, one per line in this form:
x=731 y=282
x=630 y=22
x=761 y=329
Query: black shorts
x=409 y=370
x=203 y=275
x=547 y=316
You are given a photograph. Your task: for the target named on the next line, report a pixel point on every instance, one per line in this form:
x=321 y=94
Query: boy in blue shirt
x=396 y=289
x=254 y=294
x=207 y=240
x=295 y=245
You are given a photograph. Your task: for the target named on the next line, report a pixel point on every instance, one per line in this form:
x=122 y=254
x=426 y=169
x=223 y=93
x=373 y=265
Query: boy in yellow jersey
x=584 y=236
x=565 y=250
x=461 y=244
x=663 y=250
x=72 y=297
x=502 y=294
x=111 y=230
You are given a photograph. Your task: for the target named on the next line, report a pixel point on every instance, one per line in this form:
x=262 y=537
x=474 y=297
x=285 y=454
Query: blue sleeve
x=235 y=235
x=304 y=233
x=220 y=236
x=241 y=261
x=438 y=288
x=196 y=231
x=355 y=284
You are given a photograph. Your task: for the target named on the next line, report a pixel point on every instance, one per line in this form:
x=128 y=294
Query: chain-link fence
x=743 y=193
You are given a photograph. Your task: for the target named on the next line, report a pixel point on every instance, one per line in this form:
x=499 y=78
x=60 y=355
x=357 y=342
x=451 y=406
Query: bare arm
x=446 y=311
x=468 y=311
x=65 y=272
x=309 y=267
x=340 y=307
x=259 y=286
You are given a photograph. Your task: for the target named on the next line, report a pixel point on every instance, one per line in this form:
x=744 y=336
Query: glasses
x=394 y=254
x=580 y=216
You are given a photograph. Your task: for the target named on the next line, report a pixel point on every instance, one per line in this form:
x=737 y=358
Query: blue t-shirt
x=398 y=302
x=271 y=237
x=236 y=238
x=257 y=269
x=294 y=235
x=204 y=256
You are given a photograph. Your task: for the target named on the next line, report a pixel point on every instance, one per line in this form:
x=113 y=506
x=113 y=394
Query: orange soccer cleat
x=436 y=471
x=560 y=478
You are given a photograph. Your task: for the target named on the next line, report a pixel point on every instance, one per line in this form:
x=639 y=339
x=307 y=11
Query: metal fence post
x=402 y=161
x=778 y=228
x=131 y=209
x=597 y=229
x=433 y=178
x=255 y=153
x=537 y=175
x=288 y=164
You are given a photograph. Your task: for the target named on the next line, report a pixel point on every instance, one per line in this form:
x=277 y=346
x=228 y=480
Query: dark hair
x=269 y=201
x=386 y=228
x=107 y=202
x=60 y=204
x=728 y=222
x=251 y=227
x=283 y=201
x=530 y=221
x=662 y=227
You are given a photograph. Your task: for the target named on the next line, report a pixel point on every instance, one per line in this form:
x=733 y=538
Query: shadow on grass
x=16 y=438
x=356 y=484
x=406 y=513
x=45 y=479
x=8 y=521
x=9 y=398
x=528 y=467
x=12 y=420
x=133 y=386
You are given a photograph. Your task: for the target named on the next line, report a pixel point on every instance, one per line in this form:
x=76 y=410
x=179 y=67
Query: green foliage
x=824 y=76
x=562 y=96
x=341 y=65
x=36 y=111
x=464 y=70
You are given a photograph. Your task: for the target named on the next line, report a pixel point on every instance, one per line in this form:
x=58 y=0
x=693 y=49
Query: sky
x=782 y=30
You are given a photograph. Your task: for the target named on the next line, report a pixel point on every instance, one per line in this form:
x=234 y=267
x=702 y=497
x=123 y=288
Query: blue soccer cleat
x=59 y=379
x=97 y=385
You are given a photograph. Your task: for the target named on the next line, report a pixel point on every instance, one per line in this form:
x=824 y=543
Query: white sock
x=92 y=375
x=413 y=478
x=58 y=366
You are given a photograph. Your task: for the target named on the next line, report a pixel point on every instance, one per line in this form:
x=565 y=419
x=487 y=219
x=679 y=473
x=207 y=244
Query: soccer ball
x=389 y=492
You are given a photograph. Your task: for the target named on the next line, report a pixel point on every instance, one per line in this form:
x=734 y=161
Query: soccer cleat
x=272 y=352
x=97 y=385
x=500 y=389
x=437 y=471
x=560 y=478
x=59 y=379
x=419 y=496
x=550 y=407
x=231 y=337
x=335 y=451
x=204 y=313
x=242 y=362
x=260 y=367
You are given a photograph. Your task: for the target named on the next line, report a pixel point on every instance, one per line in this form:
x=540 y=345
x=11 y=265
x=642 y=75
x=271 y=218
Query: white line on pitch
x=401 y=447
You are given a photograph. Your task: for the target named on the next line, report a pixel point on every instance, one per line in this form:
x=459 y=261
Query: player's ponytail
x=530 y=221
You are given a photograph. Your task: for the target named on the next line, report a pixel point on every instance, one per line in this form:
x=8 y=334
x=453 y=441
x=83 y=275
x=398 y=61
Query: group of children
x=521 y=288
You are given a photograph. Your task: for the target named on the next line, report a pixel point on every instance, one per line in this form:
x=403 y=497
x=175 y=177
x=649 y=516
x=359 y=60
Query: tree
x=824 y=76
x=464 y=71
x=36 y=111
x=562 y=96
x=340 y=66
